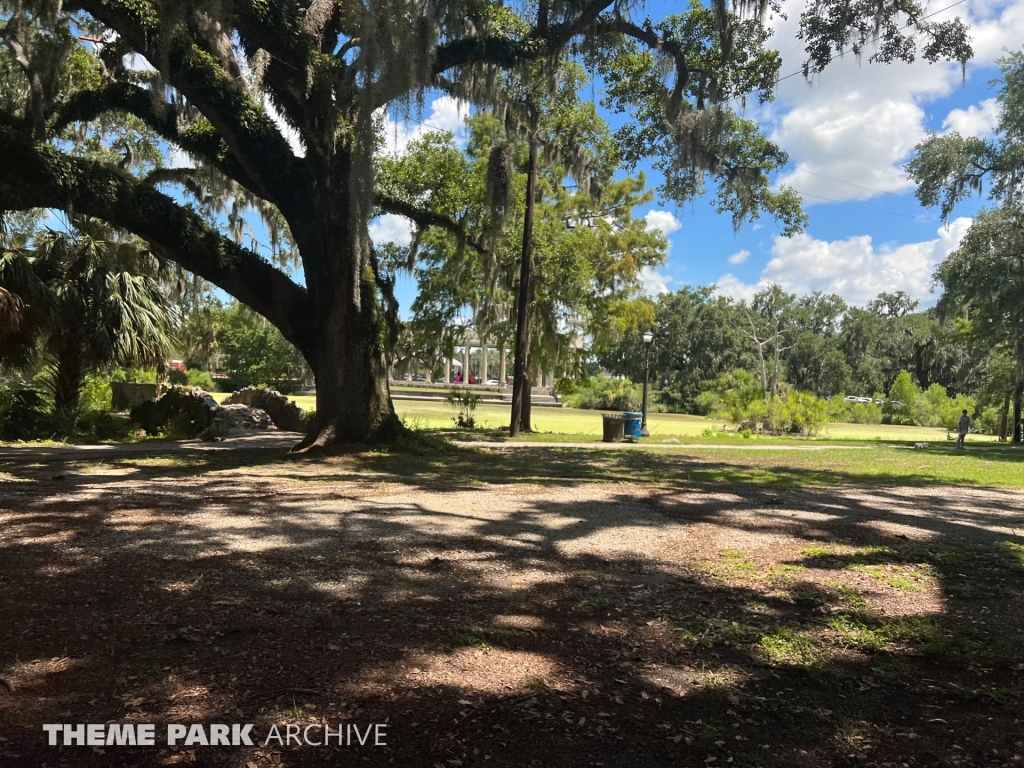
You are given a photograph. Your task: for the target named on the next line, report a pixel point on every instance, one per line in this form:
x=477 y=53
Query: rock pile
x=180 y=411
x=285 y=414
x=241 y=416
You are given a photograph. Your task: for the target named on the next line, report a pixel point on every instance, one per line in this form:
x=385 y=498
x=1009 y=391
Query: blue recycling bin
x=631 y=428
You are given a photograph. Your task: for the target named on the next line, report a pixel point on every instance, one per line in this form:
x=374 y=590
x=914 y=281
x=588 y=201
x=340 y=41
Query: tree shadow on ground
x=512 y=610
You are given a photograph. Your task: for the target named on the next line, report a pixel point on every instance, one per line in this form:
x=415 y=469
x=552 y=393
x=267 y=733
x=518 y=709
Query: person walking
x=962 y=425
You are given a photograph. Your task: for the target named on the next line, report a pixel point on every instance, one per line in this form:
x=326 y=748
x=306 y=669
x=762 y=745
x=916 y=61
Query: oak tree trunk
x=346 y=349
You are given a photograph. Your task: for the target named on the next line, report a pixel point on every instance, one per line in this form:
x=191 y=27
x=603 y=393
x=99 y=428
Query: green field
x=584 y=425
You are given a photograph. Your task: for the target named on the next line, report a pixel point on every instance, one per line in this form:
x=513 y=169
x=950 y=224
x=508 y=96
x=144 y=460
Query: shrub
x=96 y=394
x=899 y=406
x=707 y=403
x=134 y=375
x=801 y=412
x=602 y=393
x=103 y=425
x=24 y=414
x=841 y=410
x=988 y=420
x=464 y=401
x=201 y=379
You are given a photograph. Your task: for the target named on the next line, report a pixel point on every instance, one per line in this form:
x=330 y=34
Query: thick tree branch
x=162 y=118
x=37 y=176
x=425 y=219
x=247 y=130
x=506 y=53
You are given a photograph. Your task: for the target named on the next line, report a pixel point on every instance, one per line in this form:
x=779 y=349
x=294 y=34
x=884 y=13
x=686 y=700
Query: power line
x=869 y=208
x=860 y=186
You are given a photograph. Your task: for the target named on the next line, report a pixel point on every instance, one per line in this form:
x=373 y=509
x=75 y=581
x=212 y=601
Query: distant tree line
x=822 y=344
x=816 y=344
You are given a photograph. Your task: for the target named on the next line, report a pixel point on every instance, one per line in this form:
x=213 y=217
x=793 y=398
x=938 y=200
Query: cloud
x=739 y=257
x=664 y=221
x=977 y=120
x=995 y=26
x=390 y=228
x=446 y=114
x=654 y=283
x=853 y=268
x=850 y=131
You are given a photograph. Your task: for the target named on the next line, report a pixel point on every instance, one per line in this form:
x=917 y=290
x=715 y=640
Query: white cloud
x=995 y=25
x=977 y=120
x=446 y=114
x=853 y=268
x=739 y=257
x=654 y=283
x=664 y=221
x=859 y=142
x=858 y=122
x=390 y=228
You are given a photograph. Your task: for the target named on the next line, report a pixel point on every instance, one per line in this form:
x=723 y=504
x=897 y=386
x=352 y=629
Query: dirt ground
x=497 y=610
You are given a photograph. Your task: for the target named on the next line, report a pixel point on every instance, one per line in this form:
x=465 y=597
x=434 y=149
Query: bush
x=707 y=403
x=103 y=425
x=801 y=412
x=192 y=377
x=134 y=375
x=899 y=406
x=842 y=410
x=464 y=402
x=196 y=378
x=738 y=397
x=24 y=414
x=988 y=420
x=932 y=408
x=96 y=394
x=601 y=393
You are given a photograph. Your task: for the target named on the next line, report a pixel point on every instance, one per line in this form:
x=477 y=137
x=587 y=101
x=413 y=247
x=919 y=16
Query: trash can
x=613 y=425
x=631 y=424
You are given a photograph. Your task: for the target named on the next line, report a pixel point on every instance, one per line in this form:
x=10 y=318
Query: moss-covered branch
x=425 y=219
x=249 y=134
x=34 y=175
x=506 y=53
x=163 y=118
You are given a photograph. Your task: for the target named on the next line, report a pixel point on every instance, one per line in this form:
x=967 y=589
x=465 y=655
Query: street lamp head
x=648 y=337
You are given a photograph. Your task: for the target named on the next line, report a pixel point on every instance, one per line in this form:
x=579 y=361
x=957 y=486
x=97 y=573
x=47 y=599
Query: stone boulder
x=180 y=411
x=240 y=416
x=283 y=412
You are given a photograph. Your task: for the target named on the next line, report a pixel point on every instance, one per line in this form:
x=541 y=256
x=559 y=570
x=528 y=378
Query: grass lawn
x=518 y=607
x=584 y=426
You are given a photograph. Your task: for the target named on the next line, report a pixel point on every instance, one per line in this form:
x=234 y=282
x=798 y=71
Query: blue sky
x=848 y=134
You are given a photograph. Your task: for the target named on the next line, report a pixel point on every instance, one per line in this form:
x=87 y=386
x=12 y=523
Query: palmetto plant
x=83 y=301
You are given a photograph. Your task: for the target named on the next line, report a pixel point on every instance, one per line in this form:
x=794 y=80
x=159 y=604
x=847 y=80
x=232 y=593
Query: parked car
x=493 y=382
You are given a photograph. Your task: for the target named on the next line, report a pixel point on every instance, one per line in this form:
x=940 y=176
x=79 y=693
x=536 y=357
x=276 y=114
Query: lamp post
x=648 y=339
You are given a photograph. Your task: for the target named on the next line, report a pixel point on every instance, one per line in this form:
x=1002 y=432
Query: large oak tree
x=329 y=68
